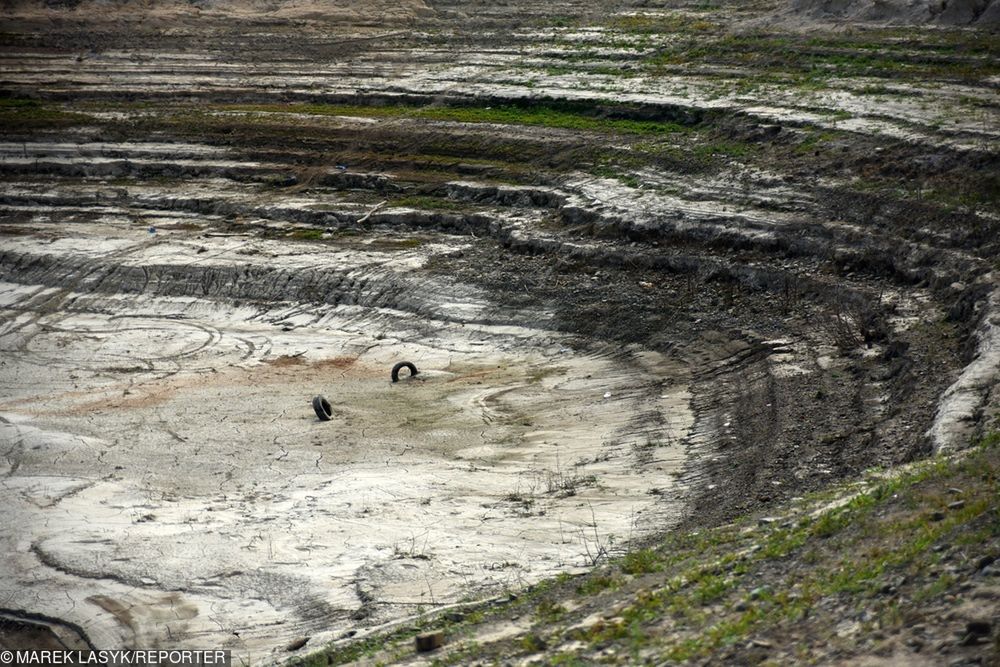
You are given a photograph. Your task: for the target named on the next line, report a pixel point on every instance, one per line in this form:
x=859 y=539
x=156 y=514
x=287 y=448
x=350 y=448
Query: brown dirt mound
x=339 y=11
x=899 y=12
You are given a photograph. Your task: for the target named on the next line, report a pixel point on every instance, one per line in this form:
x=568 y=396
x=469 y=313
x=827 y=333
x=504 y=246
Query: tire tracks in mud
x=66 y=284
x=11 y=454
x=592 y=236
x=666 y=219
x=331 y=287
x=304 y=285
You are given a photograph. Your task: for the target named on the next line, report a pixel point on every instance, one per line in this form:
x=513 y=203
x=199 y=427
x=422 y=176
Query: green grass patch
x=641 y=561
x=660 y=24
x=724 y=148
x=863 y=543
x=548 y=611
x=532 y=643
x=18 y=112
x=307 y=234
x=429 y=203
x=612 y=171
x=539 y=115
x=595 y=584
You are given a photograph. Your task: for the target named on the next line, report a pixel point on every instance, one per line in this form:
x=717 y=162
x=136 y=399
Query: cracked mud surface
x=645 y=286
x=168 y=474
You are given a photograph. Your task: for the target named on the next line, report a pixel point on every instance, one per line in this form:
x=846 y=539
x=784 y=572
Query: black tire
x=400 y=366
x=322 y=408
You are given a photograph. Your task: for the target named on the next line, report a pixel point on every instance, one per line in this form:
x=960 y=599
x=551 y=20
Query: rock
x=297 y=644
x=429 y=641
x=455 y=616
x=741 y=606
x=847 y=628
x=937 y=516
x=767 y=520
x=957 y=505
x=985 y=561
x=760 y=591
x=955 y=492
x=613 y=612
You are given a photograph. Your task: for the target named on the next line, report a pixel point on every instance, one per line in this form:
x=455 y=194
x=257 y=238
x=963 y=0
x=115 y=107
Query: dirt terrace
x=657 y=267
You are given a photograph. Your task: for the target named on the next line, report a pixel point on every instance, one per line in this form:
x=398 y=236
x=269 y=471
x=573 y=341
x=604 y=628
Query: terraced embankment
x=646 y=283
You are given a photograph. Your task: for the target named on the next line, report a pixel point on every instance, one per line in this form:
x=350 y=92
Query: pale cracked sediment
x=166 y=472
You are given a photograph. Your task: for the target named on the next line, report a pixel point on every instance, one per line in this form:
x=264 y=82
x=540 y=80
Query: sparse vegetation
x=430 y=203
x=307 y=234
x=547 y=116
x=19 y=112
x=873 y=54
x=839 y=545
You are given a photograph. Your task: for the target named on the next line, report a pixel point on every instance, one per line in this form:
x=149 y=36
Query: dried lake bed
x=174 y=487
x=659 y=267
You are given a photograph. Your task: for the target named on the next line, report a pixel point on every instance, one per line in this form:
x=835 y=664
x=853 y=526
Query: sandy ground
x=174 y=487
